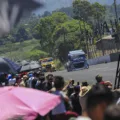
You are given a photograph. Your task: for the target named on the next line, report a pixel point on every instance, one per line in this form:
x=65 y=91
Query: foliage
x=98 y=11
x=82 y=9
x=57 y=33
x=36 y=54
x=46 y=28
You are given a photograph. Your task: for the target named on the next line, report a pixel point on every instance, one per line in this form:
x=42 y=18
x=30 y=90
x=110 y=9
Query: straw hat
x=25 y=77
x=84 y=90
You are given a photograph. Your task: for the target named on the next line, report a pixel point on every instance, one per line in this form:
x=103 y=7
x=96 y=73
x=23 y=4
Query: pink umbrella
x=18 y=101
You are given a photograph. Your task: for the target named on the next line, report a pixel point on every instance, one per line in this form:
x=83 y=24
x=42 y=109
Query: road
x=108 y=71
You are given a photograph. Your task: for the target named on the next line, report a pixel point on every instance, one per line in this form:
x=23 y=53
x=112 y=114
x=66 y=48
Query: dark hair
x=97 y=95
x=112 y=113
x=77 y=89
x=42 y=78
x=98 y=78
x=85 y=83
x=73 y=81
x=49 y=76
x=59 y=82
x=78 y=83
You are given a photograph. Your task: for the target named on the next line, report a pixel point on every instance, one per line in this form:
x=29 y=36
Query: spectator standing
x=48 y=85
x=75 y=100
x=99 y=80
x=70 y=88
x=98 y=99
x=12 y=80
x=83 y=97
x=59 y=112
x=112 y=113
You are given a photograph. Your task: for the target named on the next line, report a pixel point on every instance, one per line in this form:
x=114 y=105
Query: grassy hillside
x=20 y=51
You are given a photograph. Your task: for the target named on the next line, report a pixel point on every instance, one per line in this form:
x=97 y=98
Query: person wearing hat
x=25 y=78
x=82 y=99
x=99 y=80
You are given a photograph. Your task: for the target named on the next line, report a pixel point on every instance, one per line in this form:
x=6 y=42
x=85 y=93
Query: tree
x=82 y=9
x=22 y=33
x=46 y=13
x=98 y=11
x=46 y=29
x=70 y=36
x=36 y=54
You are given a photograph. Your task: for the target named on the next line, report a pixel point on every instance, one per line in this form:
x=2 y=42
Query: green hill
x=22 y=51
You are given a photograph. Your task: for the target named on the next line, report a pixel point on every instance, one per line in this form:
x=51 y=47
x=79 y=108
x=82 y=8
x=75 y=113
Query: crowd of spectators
x=79 y=101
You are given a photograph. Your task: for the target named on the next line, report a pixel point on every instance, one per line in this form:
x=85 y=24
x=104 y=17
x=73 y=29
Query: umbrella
x=7 y=66
x=30 y=66
x=16 y=101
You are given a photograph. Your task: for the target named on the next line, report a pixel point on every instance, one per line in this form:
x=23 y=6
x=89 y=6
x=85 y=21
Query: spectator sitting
x=59 y=112
x=112 y=113
x=75 y=100
x=98 y=99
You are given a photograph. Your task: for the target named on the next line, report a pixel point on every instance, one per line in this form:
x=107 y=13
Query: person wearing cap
x=75 y=100
x=99 y=80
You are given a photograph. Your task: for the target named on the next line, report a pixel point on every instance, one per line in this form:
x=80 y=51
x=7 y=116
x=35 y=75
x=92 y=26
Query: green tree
x=70 y=36
x=45 y=30
x=36 y=54
x=82 y=9
x=98 y=11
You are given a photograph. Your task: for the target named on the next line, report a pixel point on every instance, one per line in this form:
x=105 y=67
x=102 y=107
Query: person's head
x=41 y=78
x=59 y=82
x=98 y=78
x=50 y=78
x=99 y=97
x=85 y=83
x=77 y=89
x=78 y=83
x=25 y=77
x=112 y=113
x=72 y=82
x=41 y=74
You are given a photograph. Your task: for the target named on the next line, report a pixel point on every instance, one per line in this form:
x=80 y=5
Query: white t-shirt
x=30 y=82
x=61 y=107
x=12 y=81
x=83 y=118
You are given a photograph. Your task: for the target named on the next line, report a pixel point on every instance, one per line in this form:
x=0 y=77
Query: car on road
x=76 y=61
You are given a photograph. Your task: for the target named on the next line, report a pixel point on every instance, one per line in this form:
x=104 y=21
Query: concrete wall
x=107 y=58
x=114 y=56
x=99 y=60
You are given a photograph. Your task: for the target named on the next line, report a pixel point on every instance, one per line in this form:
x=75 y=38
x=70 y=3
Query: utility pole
x=80 y=31
x=115 y=5
x=86 y=39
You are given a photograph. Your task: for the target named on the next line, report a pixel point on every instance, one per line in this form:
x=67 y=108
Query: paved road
x=108 y=71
